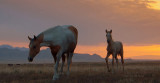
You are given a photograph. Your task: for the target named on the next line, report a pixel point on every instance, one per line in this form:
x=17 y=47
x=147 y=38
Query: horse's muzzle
x=30 y=59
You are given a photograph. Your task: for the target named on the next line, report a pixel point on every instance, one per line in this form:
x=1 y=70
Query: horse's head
x=109 y=35
x=34 y=47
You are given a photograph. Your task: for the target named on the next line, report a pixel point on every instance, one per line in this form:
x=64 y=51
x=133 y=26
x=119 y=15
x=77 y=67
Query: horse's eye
x=34 y=47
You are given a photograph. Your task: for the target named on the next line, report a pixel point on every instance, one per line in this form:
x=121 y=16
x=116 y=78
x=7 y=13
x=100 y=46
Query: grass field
x=135 y=72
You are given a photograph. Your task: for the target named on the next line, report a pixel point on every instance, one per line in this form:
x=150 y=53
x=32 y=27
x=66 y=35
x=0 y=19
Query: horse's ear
x=29 y=38
x=106 y=31
x=35 y=37
x=110 y=31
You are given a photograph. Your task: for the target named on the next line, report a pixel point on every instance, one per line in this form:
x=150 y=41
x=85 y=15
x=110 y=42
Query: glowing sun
x=154 y=4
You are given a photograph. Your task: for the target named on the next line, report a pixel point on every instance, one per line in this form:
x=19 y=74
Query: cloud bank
x=132 y=21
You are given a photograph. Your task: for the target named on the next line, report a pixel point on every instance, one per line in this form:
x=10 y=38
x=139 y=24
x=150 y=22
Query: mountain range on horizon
x=9 y=54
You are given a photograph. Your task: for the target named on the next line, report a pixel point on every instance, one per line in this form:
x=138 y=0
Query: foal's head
x=34 y=47
x=109 y=35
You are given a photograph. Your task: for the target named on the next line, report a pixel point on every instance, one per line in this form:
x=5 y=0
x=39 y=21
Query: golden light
x=130 y=51
x=154 y=4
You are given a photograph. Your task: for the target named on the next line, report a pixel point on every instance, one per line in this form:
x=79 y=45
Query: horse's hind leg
x=116 y=61
x=69 y=61
x=63 y=61
x=122 y=60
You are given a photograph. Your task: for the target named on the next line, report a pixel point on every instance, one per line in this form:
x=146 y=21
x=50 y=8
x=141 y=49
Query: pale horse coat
x=61 y=40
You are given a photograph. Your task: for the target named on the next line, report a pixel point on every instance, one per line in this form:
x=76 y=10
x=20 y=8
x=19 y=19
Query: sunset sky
x=134 y=22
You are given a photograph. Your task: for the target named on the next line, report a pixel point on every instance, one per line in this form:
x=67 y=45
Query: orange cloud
x=14 y=44
x=129 y=51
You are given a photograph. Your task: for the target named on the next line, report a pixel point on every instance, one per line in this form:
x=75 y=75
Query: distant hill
x=10 y=47
x=87 y=58
x=9 y=54
x=147 y=57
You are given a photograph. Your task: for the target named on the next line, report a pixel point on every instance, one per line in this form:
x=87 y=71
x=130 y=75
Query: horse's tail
x=121 y=49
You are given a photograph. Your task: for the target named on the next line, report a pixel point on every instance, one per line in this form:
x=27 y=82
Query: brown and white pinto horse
x=61 y=40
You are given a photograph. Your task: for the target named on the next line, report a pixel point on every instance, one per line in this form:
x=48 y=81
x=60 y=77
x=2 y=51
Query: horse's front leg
x=122 y=60
x=108 y=54
x=113 y=62
x=54 y=53
x=59 y=55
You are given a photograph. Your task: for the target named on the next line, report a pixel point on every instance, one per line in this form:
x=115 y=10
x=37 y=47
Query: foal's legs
x=108 y=54
x=113 y=62
x=122 y=60
x=116 y=61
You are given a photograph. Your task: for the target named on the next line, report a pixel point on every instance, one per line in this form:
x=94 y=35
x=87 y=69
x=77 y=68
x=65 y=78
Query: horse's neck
x=45 y=44
x=111 y=44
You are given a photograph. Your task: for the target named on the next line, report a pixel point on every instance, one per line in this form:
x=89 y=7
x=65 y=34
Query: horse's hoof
x=55 y=77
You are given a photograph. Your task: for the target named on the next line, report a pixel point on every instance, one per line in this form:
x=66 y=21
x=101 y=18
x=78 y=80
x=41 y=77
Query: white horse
x=61 y=40
x=114 y=48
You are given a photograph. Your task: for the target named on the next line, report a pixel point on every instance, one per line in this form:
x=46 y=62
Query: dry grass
x=135 y=72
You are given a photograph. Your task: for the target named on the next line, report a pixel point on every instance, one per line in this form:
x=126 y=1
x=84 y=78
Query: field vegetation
x=135 y=72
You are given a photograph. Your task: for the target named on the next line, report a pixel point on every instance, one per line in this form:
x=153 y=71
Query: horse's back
x=56 y=30
x=61 y=34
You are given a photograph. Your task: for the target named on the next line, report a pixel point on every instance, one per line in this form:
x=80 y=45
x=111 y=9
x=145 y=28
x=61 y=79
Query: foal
x=115 y=48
